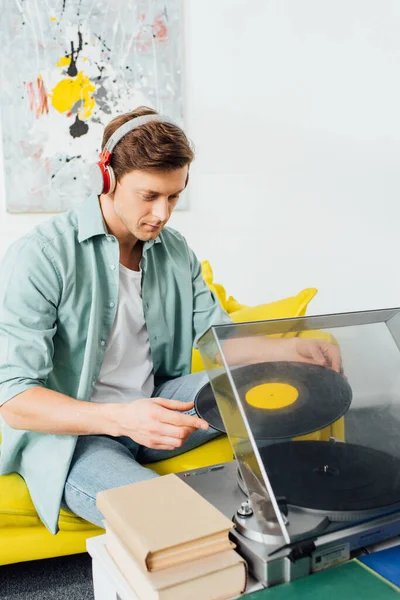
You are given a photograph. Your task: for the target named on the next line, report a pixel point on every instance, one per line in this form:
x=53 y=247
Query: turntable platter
x=341 y=479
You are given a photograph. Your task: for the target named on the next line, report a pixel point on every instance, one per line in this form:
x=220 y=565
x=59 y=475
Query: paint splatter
x=160 y=29
x=103 y=42
x=72 y=90
x=37 y=97
x=101 y=99
x=72 y=69
x=64 y=61
x=63 y=8
x=79 y=128
x=150 y=32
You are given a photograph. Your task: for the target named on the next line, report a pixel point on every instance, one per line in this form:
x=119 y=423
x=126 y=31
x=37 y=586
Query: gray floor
x=65 y=578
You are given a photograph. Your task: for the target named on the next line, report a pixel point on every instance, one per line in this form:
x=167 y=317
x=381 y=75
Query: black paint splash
x=74 y=55
x=63 y=10
x=102 y=41
x=79 y=128
x=66 y=159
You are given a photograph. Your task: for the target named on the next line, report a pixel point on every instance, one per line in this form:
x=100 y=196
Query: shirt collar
x=91 y=222
x=151 y=243
x=90 y=219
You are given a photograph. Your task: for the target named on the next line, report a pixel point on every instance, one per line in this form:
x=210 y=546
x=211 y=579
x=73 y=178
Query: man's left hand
x=314 y=351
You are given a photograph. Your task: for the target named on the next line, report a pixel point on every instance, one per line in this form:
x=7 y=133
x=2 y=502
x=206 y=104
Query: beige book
x=184 y=554
x=217 y=577
x=163 y=522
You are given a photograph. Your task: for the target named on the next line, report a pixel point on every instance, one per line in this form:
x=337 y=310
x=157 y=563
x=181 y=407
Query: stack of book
x=170 y=543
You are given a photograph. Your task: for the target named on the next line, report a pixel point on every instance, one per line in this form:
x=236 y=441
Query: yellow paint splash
x=69 y=91
x=53 y=18
x=64 y=61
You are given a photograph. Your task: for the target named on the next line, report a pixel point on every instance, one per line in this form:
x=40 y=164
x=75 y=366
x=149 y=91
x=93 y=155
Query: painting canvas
x=68 y=67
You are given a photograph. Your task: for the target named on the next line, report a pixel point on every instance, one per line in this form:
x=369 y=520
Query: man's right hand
x=157 y=422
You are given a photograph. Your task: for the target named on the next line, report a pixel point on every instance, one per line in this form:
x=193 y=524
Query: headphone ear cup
x=112 y=179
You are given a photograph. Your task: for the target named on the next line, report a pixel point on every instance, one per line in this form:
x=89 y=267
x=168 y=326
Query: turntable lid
x=263 y=401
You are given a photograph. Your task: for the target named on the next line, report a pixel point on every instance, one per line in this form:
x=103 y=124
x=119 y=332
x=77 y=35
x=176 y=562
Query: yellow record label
x=270 y=396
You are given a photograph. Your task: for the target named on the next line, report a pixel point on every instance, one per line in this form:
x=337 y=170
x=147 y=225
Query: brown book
x=163 y=522
x=216 y=577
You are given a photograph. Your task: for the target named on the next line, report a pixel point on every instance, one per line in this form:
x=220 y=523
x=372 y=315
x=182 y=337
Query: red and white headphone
x=101 y=176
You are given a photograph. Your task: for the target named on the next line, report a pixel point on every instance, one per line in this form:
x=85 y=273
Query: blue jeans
x=101 y=462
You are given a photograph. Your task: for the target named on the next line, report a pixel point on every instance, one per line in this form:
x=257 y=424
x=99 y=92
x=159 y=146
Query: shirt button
x=112 y=304
x=112 y=267
x=102 y=343
x=109 y=238
x=93 y=382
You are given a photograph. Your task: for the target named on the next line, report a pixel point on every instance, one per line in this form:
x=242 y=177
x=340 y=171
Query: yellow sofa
x=22 y=535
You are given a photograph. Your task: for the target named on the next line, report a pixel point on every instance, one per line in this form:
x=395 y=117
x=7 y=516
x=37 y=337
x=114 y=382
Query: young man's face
x=144 y=200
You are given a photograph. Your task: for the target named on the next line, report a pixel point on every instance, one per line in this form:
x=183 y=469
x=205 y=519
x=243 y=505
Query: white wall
x=294 y=110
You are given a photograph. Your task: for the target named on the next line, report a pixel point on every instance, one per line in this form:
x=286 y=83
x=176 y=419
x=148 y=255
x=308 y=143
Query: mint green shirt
x=58 y=301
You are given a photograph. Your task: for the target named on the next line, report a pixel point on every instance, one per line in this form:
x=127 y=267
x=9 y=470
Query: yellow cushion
x=293 y=306
x=17 y=510
x=18 y=544
x=212 y=453
x=228 y=304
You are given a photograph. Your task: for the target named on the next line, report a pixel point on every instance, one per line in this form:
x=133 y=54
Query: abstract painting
x=68 y=67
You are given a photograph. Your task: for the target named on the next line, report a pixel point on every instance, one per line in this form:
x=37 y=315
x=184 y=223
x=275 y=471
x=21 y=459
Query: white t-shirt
x=127 y=370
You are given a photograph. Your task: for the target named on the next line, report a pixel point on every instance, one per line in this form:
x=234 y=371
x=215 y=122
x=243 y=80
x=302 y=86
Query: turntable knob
x=245 y=509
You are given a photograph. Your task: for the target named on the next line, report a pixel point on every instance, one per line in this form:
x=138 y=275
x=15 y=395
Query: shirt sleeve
x=29 y=296
x=207 y=310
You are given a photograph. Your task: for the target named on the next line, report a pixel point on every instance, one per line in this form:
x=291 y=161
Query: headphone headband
x=130 y=126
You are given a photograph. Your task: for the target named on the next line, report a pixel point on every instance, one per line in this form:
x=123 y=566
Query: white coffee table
x=108 y=581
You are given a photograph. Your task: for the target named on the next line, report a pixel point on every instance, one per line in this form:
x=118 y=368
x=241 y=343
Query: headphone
x=102 y=178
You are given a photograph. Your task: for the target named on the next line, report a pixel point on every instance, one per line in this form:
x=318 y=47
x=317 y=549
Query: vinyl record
x=344 y=480
x=281 y=399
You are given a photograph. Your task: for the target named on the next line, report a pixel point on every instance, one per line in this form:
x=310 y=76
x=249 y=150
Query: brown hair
x=155 y=145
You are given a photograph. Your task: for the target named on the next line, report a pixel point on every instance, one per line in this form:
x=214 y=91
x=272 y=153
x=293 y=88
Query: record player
x=303 y=499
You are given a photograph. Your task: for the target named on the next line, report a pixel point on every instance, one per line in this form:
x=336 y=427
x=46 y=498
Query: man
x=99 y=310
